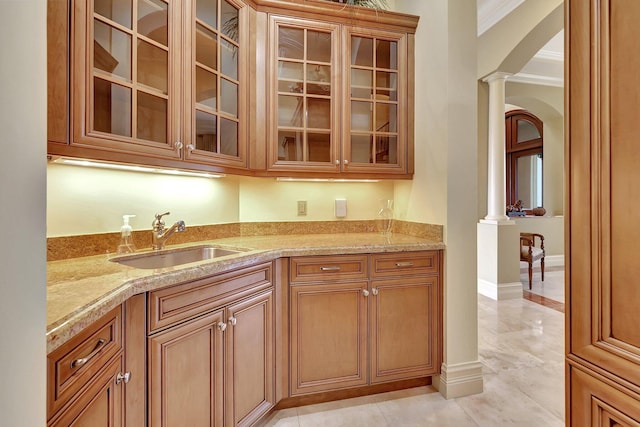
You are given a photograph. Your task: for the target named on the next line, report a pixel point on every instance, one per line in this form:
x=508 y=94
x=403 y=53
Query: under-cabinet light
x=343 y=180
x=134 y=168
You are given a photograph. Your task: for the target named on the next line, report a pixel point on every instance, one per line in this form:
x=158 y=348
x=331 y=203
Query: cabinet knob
x=123 y=377
x=222 y=326
x=191 y=147
x=365 y=292
x=233 y=321
x=337 y=162
x=178 y=145
x=345 y=161
x=374 y=291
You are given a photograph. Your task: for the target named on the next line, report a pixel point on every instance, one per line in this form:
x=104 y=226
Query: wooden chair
x=531 y=253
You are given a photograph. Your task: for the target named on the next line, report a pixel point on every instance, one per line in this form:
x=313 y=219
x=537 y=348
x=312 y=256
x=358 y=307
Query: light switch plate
x=341 y=208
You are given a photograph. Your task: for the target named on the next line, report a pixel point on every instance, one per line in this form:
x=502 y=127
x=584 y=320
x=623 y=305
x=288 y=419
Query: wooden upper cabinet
x=338 y=96
x=156 y=82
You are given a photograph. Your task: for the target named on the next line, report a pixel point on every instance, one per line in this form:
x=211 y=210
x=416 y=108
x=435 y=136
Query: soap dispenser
x=126 y=245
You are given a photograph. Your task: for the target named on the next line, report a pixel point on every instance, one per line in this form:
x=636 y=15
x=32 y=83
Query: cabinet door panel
x=123 y=98
x=303 y=95
x=186 y=374
x=404 y=328
x=328 y=337
x=250 y=359
x=100 y=405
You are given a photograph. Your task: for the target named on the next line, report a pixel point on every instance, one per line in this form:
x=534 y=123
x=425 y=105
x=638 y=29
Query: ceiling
x=547 y=66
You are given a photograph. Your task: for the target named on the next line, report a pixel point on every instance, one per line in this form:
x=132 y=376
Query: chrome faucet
x=160 y=235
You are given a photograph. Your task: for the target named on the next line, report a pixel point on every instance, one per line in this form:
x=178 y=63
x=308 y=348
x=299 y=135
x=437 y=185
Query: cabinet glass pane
x=361 y=115
x=319 y=113
x=206 y=88
x=361 y=84
x=228 y=137
x=387 y=54
x=206 y=47
x=229 y=97
x=112 y=108
x=290 y=43
x=112 y=50
x=387 y=85
x=229 y=59
x=290 y=111
x=206 y=132
x=319 y=80
x=527 y=131
x=319 y=147
x=207 y=11
x=152 y=20
x=290 y=71
x=152 y=118
x=229 y=20
x=318 y=46
x=361 y=51
x=386 y=117
x=152 y=66
x=290 y=146
x=116 y=10
x=387 y=149
x=361 y=148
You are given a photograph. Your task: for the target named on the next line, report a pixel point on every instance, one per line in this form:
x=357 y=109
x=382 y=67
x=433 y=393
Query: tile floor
x=521 y=347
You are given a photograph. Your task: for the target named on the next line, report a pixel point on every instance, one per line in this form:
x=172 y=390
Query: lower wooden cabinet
x=86 y=378
x=215 y=370
x=349 y=333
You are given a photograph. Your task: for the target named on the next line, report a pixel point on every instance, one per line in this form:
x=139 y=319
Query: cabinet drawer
x=188 y=300
x=319 y=268
x=74 y=364
x=404 y=263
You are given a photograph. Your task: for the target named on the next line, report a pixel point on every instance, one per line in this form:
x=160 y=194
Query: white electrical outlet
x=341 y=208
x=302 y=207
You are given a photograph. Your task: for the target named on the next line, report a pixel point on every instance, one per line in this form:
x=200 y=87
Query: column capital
x=497 y=76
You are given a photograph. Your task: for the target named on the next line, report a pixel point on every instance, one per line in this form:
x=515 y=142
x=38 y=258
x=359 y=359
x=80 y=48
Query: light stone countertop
x=81 y=290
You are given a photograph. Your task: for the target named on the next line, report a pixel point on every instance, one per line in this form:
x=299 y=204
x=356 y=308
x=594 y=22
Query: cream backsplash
x=89 y=201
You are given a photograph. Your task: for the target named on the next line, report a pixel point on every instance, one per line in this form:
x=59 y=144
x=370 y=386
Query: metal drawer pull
x=332 y=268
x=79 y=362
x=123 y=377
x=404 y=264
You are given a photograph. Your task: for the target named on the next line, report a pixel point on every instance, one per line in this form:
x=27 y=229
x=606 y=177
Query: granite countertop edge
x=81 y=290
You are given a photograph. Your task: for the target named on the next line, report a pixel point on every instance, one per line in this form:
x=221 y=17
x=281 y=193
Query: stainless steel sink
x=173 y=257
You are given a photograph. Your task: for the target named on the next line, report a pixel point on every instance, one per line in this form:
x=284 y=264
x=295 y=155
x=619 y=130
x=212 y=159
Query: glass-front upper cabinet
x=218 y=67
x=304 y=90
x=376 y=102
x=123 y=73
x=160 y=79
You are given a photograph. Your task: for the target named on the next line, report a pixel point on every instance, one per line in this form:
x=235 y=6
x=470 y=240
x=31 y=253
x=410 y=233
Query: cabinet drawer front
x=74 y=364
x=177 y=303
x=404 y=263
x=318 y=268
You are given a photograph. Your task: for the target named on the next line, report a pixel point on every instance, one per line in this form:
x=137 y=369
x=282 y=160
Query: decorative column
x=496 y=203
x=498 y=237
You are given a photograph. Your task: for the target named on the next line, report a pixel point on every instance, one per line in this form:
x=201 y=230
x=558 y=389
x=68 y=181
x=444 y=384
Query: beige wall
x=85 y=200
x=23 y=121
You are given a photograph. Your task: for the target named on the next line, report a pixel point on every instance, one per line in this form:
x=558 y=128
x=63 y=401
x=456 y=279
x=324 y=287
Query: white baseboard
x=554 y=261
x=500 y=291
x=463 y=379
